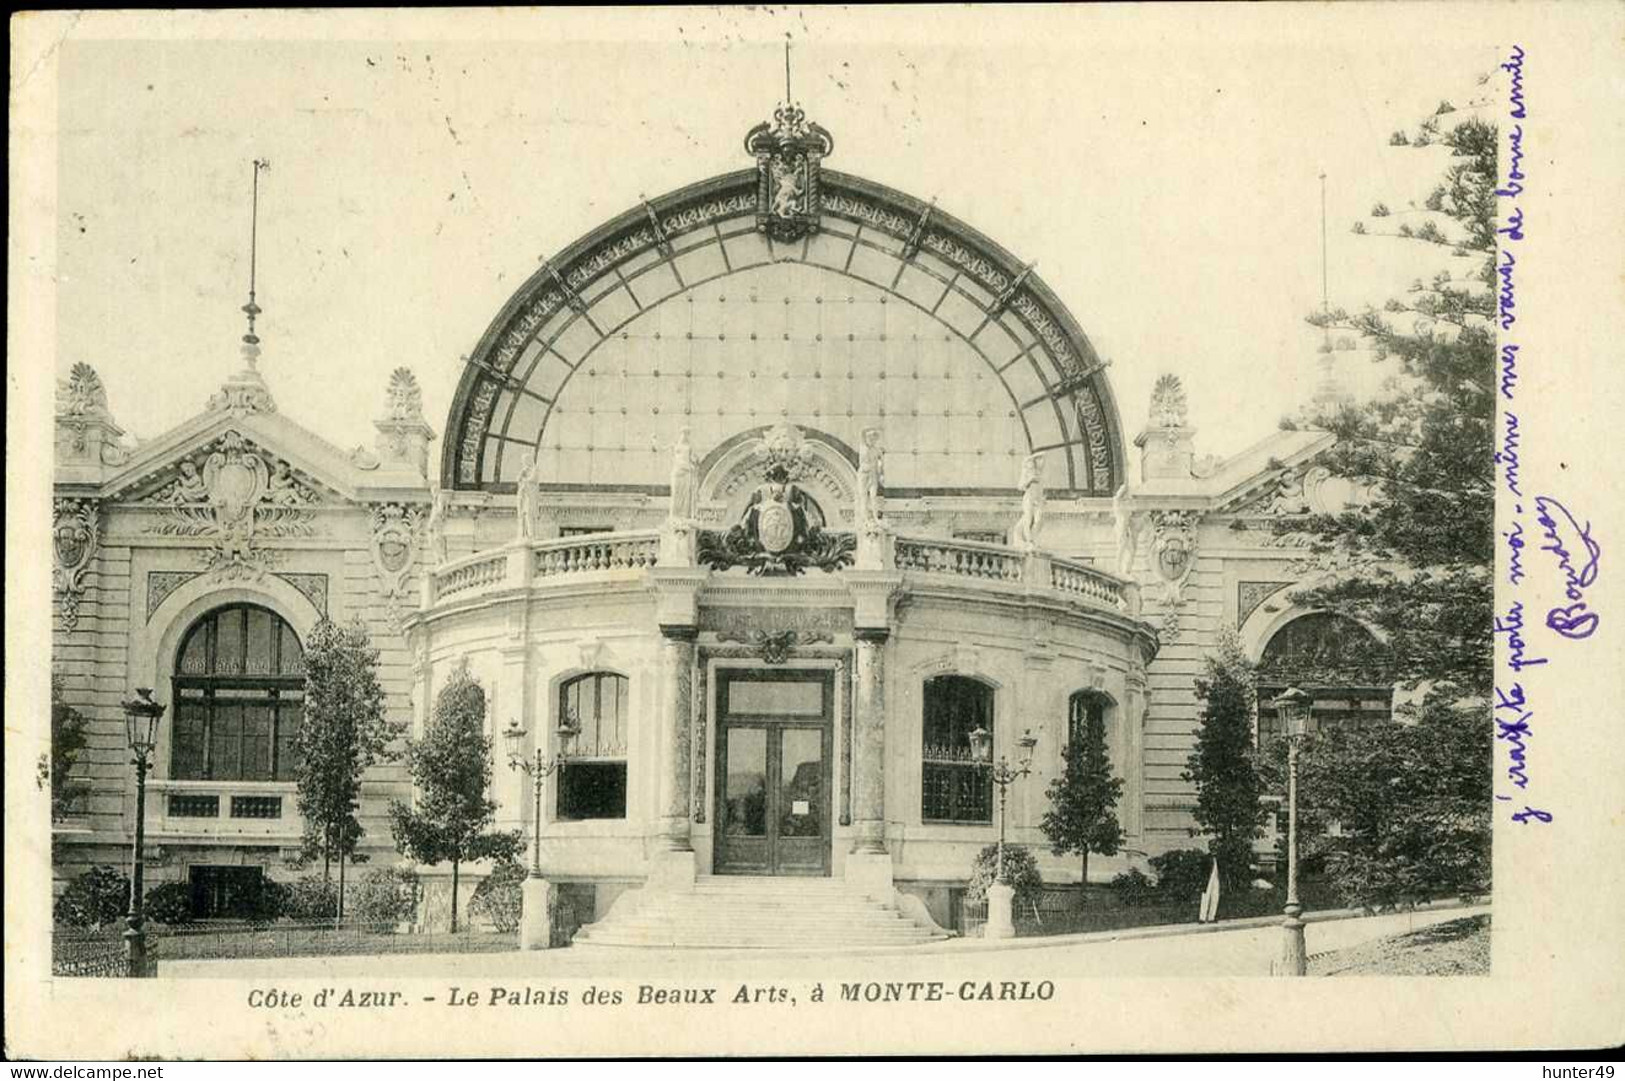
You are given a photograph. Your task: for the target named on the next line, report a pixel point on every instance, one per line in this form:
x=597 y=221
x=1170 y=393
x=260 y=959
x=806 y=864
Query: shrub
x=1132 y=887
x=272 y=902
x=498 y=898
x=97 y=897
x=1399 y=138
x=311 y=899
x=383 y=895
x=1380 y=210
x=170 y=903
x=1020 y=872
x=1182 y=874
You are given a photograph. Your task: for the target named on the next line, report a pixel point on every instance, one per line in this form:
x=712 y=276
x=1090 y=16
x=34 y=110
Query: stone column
x=672 y=859
x=869 y=759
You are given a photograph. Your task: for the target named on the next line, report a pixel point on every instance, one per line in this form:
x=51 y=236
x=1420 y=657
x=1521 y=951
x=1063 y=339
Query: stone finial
x=403 y=434
x=1167 y=445
x=86 y=433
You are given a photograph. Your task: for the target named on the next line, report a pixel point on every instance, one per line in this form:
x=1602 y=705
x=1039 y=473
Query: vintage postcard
x=712 y=531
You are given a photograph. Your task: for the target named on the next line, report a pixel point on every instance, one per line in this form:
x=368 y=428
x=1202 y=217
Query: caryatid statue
x=871 y=475
x=1025 y=533
x=528 y=494
x=682 y=478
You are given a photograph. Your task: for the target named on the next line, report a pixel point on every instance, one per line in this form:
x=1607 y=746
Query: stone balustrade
x=1070 y=576
x=967 y=559
x=596 y=552
x=632 y=552
x=475 y=572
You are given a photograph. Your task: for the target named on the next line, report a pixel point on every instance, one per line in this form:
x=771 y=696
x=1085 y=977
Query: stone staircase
x=740 y=912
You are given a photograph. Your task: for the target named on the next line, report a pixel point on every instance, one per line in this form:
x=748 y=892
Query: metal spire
x=251 y=341
x=787 y=98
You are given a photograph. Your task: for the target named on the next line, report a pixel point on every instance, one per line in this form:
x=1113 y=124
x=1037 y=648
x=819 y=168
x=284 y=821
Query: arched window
x=239 y=693
x=954 y=788
x=1337 y=661
x=592 y=780
x=1083 y=708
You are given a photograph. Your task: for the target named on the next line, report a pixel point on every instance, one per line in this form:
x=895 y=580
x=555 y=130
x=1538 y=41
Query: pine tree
x=1229 y=808
x=345 y=732
x=451 y=768
x=1415 y=563
x=1082 y=816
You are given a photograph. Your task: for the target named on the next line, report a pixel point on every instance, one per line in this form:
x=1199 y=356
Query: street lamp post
x=1292 y=707
x=535 y=930
x=141 y=717
x=1000 y=922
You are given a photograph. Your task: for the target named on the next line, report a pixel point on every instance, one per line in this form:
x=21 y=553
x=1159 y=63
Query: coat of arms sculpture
x=781 y=530
x=788 y=153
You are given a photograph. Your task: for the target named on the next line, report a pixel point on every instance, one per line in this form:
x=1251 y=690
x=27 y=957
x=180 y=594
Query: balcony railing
x=629 y=554
x=968 y=559
x=596 y=552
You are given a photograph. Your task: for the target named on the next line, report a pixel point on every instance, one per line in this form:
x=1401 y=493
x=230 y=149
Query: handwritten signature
x=1574 y=620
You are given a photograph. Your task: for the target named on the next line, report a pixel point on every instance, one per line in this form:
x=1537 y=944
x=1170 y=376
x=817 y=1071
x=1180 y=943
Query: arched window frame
x=213 y=732
x=592 y=778
x=1078 y=706
x=1354 y=701
x=953 y=788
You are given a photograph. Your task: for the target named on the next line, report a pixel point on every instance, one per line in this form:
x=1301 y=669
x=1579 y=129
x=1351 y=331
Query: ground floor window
x=592 y=780
x=953 y=787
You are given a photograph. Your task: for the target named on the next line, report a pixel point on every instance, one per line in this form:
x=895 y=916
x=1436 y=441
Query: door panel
x=742 y=818
x=773 y=784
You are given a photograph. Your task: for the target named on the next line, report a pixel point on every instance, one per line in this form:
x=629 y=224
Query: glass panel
x=780 y=698
x=228 y=647
x=186 y=746
x=744 y=791
x=592 y=790
x=956 y=793
x=293 y=654
x=289 y=715
x=801 y=783
x=262 y=627
x=195 y=657
x=954 y=707
x=256 y=743
x=226 y=742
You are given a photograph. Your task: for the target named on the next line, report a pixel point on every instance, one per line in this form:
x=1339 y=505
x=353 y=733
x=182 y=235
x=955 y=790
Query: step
x=757 y=912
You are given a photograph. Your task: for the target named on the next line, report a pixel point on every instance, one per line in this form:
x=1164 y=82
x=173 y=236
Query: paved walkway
x=1214 y=950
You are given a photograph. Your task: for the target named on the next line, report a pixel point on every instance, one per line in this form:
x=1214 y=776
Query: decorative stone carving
x=312 y=586
x=239 y=497
x=731 y=624
x=1168 y=405
x=789 y=153
x=395 y=530
x=403 y=434
x=160 y=584
x=405 y=398
x=1026 y=531
x=1249 y=595
x=781 y=529
x=774 y=647
x=242 y=394
x=85 y=430
x=75 y=533
x=1173 y=551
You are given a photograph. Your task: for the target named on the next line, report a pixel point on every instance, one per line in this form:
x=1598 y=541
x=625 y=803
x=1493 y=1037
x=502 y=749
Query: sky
x=1160 y=166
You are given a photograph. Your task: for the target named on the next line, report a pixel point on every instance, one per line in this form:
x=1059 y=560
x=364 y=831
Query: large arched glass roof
x=682 y=313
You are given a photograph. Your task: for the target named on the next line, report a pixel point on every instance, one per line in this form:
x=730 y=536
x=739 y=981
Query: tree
x=345 y=732
x=1081 y=817
x=451 y=767
x=1415 y=563
x=67 y=740
x=1223 y=766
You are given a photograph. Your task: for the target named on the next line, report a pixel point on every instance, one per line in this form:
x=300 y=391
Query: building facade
x=752 y=506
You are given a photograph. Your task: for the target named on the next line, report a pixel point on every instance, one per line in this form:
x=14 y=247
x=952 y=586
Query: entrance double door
x=773 y=771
